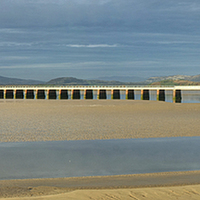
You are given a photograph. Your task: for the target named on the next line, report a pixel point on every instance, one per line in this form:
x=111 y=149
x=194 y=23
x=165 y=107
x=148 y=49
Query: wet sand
x=157 y=185
x=49 y=120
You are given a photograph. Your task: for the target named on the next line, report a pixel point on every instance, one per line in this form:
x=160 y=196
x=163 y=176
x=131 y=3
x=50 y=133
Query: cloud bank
x=41 y=39
x=182 y=15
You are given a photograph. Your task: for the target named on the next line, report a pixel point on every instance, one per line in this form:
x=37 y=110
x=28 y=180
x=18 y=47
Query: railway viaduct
x=74 y=92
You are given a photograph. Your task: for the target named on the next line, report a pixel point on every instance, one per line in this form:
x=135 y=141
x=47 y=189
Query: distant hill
x=195 y=78
x=16 y=81
x=75 y=81
x=175 y=82
x=163 y=80
x=129 y=79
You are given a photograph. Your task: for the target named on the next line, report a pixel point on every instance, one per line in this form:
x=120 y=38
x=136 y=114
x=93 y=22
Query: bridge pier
x=1 y=94
x=71 y=94
x=58 y=94
x=88 y=94
x=85 y=93
x=30 y=94
x=130 y=94
x=9 y=94
x=51 y=94
x=4 y=94
x=14 y=94
x=41 y=94
x=19 y=94
x=25 y=94
x=46 y=94
x=35 y=94
x=75 y=94
x=64 y=94
x=177 y=96
x=161 y=95
x=101 y=94
x=144 y=94
x=115 y=94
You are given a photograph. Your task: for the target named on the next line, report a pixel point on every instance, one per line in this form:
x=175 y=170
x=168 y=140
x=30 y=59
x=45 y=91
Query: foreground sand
x=106 y=187
x=39 y=120
x=164 y=193
x=47 y=120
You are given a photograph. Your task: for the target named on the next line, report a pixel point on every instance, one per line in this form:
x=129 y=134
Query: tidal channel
x=25 y=160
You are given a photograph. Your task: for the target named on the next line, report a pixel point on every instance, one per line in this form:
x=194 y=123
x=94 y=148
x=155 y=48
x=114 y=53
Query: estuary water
x=98 y=157
x=187 y=96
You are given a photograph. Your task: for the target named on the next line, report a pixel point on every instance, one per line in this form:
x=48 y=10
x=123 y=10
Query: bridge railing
x=139 y=87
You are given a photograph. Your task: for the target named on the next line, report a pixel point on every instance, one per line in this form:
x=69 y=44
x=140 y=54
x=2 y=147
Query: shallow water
x=98 y=157
x=187 y=96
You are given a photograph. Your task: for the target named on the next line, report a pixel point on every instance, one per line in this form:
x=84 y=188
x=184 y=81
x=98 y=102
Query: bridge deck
x=137 y=87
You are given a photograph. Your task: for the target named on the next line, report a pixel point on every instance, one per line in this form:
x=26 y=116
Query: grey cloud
x=48 y=38
x=137 y=14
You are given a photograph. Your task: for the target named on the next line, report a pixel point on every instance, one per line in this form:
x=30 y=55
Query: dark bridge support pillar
x=19 y=94
x=1 y=94
x=161 y=95
x=177 y=96
x=8 y=94
x=41 y=94
x=75 y=94
x=144 y=94
x=29 y=94
x=88 y=94
x=51 y=94
x=64 y=94
x=101 y=94
x=115 y=94
x=130 y=94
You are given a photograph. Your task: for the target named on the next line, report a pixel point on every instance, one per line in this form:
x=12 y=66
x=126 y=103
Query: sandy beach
x=49 y=120
x=52 y=120
x=168 y=185
x=164 y=193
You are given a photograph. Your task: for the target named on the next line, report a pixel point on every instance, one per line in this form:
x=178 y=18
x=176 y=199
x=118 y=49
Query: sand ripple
x=47 y=120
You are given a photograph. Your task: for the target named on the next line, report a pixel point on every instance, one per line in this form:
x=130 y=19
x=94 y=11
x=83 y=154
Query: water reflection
x=98 y=157
x=187 y=96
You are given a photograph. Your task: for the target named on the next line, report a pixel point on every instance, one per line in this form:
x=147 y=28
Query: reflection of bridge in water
x=74 y=92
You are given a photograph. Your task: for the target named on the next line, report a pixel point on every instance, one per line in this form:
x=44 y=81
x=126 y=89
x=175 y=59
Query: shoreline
x=55 y=186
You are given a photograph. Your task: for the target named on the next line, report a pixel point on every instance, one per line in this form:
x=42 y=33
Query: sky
x=88 y=39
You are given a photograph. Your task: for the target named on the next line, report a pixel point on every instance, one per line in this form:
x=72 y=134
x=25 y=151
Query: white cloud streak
x=91 y=45
x=14 y=44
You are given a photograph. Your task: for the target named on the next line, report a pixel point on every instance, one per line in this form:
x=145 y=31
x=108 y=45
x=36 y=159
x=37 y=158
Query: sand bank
x=108 y=187
x=42 y=120
x=164 y=193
